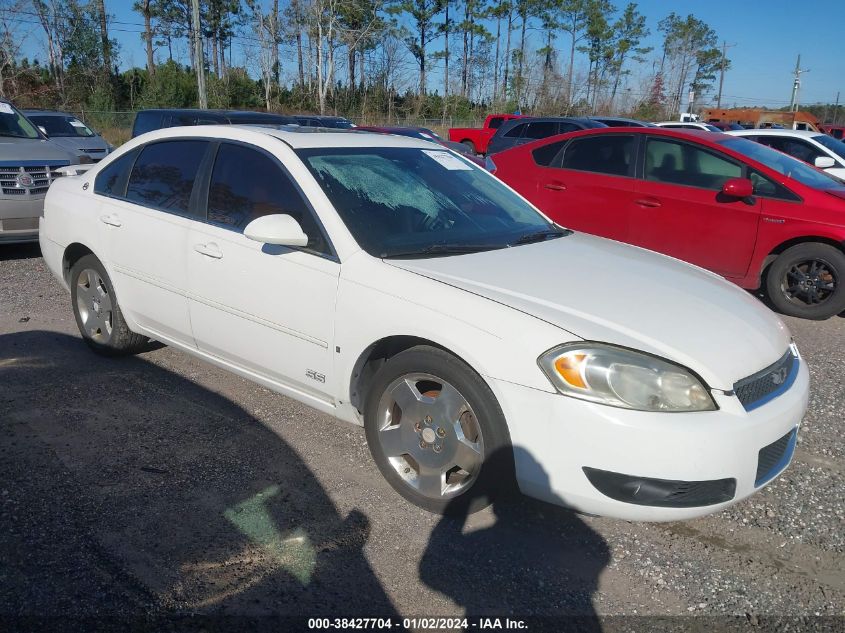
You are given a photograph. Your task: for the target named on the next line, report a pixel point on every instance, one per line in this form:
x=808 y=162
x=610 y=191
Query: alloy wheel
x=430 y=435
x=809 y=282
x=94 y=305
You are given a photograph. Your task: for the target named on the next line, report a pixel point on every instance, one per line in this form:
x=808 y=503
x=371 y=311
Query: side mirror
x=824 y=162
x=278 y=228
x=738 y=188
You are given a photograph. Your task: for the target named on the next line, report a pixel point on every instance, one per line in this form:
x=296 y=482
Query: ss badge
x=314 y=375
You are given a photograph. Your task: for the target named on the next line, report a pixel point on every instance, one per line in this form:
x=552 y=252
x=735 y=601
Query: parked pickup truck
x=477 y=139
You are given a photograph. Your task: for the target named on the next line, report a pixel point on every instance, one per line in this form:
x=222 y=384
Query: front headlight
x=621 y=377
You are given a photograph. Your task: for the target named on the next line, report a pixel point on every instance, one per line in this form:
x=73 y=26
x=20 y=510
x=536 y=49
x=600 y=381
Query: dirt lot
x=158 y=485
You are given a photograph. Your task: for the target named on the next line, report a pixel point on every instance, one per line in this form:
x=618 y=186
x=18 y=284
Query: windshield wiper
x=443 y=249
x=541 y=236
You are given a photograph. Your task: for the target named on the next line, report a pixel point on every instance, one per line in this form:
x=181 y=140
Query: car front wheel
x=437 y=433
x=97 y=312
x=808 y=281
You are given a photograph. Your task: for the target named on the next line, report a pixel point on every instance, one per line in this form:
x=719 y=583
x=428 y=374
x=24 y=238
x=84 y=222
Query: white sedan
x=400 y=287
x=815 y=148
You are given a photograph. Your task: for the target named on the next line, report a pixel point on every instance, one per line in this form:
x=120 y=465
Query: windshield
x=13 y=123
x=62 y=125
x=408 y=201
x=783 y=164
x=837 y=147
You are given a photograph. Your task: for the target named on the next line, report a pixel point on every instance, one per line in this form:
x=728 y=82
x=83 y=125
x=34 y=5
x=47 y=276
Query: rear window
x=164 y=174
x=146 y=122
x=496 y=122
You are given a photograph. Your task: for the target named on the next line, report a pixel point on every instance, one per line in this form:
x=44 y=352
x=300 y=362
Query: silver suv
x=28 y=164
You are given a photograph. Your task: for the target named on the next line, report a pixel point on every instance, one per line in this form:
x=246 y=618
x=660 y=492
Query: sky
x=764 y=41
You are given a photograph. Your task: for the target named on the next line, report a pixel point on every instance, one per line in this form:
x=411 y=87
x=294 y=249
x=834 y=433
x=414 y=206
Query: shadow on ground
x=536 y=559
x=127 y=490
x=29 y=250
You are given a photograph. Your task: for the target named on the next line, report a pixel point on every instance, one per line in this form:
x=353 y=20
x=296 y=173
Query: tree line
x=426 y=58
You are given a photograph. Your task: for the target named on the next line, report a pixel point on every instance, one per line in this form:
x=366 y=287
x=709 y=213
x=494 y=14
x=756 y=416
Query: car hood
x=20 y=150
x=77 y=143
x=601 y=290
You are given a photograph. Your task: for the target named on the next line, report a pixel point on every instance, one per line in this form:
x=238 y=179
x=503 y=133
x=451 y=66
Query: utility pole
x=796 y=84
x=199 y=57
x=725 y=46
x=836 y=110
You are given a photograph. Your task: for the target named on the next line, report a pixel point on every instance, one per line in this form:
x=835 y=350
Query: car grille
x=41 y=176
x=760 y=388
x=773 y=458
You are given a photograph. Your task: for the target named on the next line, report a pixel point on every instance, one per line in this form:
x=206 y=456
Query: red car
x=743 y=210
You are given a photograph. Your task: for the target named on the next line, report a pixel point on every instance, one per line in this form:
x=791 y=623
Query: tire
x=447 y=456
x=808 y=281
x=470 y=146
x=97 y=311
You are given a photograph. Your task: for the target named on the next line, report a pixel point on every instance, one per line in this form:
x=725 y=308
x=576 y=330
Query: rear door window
x=606 y=154
x=164 y=174
x=541 y=129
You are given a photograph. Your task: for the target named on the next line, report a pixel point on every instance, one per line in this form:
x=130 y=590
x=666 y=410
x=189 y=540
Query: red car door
x=680 y=210
x=588 y=184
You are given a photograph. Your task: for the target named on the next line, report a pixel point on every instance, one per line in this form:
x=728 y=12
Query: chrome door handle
x=646 y=202
x=111 y=220
x=557 y=186
x=209 y=250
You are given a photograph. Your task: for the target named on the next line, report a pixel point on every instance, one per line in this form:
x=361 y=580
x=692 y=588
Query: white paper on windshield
x=76 y=123
x=5 y=108
x=449 y=161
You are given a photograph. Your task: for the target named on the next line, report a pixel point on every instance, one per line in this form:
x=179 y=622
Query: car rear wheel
x=437 y=433
x=808 y=281
x=470 y=146
x=97 y=312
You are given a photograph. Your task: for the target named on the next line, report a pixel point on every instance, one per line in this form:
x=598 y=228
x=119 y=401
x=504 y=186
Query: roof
x=30 y=112
x=775 y=132
x=294 y=136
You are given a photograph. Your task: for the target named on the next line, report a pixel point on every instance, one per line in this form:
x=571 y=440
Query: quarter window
x=247 y=184
x=684 y=164
x=111 y=181
x=164 y=174
x=605 y=154
x=515 y=131
x=546 y=155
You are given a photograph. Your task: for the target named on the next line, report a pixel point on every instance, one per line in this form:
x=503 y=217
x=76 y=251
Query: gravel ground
x=159 y=485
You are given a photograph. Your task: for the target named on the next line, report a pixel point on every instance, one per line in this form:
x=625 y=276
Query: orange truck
x=759 y=118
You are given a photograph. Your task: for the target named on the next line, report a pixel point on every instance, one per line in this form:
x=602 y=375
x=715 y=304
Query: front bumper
x=555 y=437
x=19 y=218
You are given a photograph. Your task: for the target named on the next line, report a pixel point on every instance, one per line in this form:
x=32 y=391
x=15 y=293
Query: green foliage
x=172 y=87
